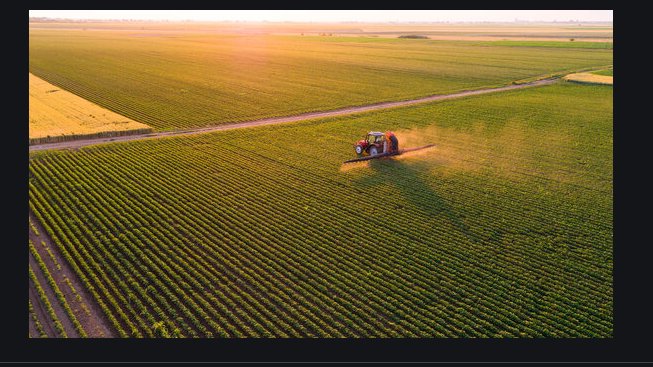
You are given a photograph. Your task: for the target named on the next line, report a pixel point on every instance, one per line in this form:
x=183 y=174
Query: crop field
x=450 y=31
x=591 y=78
x=606 y=72
x=42 y=289
x=183 y=79
x=56 y=115
x=503 y=229
x=59 y=304
x=556 y=44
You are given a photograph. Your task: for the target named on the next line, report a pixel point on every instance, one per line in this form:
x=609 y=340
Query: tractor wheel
x=373 y=151
x=359 y=149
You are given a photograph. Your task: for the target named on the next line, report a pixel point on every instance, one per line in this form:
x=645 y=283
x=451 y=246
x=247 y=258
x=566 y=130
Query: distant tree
x=415 y=36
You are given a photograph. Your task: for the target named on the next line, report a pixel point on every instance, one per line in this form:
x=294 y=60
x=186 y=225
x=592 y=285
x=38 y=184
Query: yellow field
x=589 y=78
x=56 y=115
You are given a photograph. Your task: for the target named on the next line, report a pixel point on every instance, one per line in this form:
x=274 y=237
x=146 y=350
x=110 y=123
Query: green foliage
x=208 y=79
x=55 y=289
x=90 y=282
x=50 y=255
x=78 y=297
x=46 y=303
x=413 y=36
x=606 y=72
x=503 y=230
x=36 y=321
x=160 y=330
x=33 y=227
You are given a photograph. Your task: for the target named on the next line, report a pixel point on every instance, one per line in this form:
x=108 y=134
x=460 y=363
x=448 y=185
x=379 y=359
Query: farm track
x=75 y=144
x=95 y=323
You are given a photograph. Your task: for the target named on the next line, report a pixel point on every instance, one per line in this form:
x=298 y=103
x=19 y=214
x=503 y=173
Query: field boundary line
x=75 y=144
x=562 y=74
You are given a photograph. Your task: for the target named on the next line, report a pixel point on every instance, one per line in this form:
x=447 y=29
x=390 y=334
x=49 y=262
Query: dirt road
x=279 y=120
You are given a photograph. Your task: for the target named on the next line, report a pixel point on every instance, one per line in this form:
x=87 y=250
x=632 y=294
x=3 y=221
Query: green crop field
x=43 y=298
x=181 y=79
x=606 y=72
x=503 y=229
x=554 y=44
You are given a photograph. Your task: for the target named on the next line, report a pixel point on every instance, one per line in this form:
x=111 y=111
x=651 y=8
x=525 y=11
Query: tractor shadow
x=408 y=178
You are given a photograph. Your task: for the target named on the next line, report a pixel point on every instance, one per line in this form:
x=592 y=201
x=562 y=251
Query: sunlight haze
x=335 y=15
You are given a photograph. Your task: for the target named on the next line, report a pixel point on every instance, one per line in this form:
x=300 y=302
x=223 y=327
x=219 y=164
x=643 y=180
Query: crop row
x=57 y=292
x=35 y=320
x=46 y=303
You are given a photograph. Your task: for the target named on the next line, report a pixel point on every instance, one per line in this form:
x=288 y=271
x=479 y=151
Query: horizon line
x=317 y=22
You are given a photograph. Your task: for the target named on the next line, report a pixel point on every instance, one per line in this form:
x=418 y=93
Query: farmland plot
x=58 y=115
x=189 y=79
x=591 y=78
x=504 y=229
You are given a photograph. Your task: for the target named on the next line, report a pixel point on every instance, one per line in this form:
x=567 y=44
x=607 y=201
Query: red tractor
x=376 y=143
x=380 y=145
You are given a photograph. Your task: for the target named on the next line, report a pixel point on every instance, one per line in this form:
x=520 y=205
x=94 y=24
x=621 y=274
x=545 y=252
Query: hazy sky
x=334 y=15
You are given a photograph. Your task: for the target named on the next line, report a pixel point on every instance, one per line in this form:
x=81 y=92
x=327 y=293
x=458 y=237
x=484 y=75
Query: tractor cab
x=375 y=137
x=373 y=140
